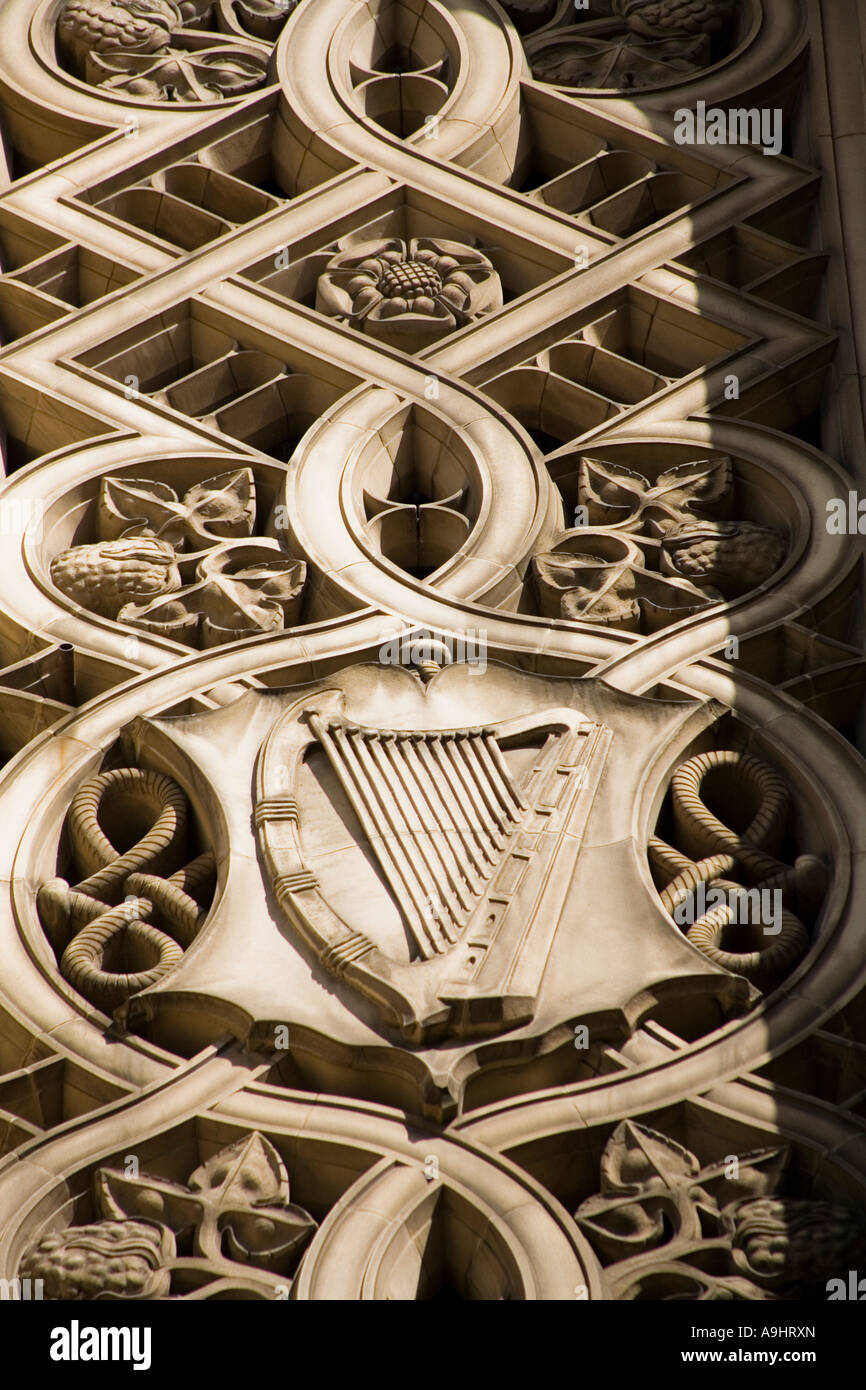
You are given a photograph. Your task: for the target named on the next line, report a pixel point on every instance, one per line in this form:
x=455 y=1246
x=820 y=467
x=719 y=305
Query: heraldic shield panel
x=431 y=652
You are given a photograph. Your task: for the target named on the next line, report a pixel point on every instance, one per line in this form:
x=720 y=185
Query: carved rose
x=409 y=294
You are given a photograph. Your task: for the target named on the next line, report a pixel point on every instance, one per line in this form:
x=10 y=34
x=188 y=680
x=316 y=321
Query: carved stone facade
x=431 y=649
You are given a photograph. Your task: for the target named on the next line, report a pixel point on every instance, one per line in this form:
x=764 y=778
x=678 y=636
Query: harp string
x=437 y=810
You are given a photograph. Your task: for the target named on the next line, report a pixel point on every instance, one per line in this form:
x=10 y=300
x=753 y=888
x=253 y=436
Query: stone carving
x=624 y=61
x=216 y=509
x=246 y=1234
x=645 y=43
x=264 y=19
x=420 y=534
x=661 y=18
x=240 y=591
x=412 y=931
x=409 y=293
x=103 y=26
x=105 y=576
x=440 y=845
x=620 y=497
x=732 y=556
x=128 y=922
x=236 y=589
x=104 y=1259
x=668 y=1227
x=144 y=48
x=596 y=577
x=600 y=572
x=718 y=857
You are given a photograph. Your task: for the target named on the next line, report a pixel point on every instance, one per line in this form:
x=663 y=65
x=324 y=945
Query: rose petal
x=332 y=299
x=365 y=300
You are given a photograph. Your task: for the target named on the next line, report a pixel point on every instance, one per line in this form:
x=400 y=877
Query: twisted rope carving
x=719 y=853
x=99 y=927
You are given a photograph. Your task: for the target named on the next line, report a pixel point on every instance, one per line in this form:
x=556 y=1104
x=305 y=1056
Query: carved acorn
x=107 y=1259
x=664 y=19
x=732 y=556
x=109 y=574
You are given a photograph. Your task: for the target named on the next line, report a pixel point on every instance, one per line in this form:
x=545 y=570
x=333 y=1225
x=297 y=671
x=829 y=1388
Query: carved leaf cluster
x=151 y=49
x=233 y=1211
x=668 y=1227
x=230 y=587
x=603 y=572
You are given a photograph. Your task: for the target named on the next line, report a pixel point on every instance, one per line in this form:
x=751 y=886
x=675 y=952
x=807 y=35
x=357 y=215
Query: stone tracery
x=253 y=502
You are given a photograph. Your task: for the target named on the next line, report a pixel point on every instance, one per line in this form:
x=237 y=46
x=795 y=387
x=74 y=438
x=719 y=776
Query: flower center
x=410 y=278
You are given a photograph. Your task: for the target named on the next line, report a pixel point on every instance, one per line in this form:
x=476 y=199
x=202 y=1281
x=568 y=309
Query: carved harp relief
x=473 y=833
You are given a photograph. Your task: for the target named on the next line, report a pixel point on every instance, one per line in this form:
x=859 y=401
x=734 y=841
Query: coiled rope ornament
x=719 y=851
x=108 y=949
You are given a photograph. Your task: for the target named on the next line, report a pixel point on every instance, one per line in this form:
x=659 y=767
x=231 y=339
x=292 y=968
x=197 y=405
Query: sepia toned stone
x=431 y=654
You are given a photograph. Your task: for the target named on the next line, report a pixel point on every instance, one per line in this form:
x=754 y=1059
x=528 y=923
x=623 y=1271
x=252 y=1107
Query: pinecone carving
x=101 y=26
x=107 y=1259
x=664 y=19
x=106 y=576
x=733 y=556
x=791 y=1245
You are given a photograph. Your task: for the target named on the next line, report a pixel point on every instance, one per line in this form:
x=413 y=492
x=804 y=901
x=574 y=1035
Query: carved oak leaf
x=217 y=508
x=618 y=496
x=636 y=1159
x=239 y=1197
x=588 y=588
x=622 y=60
